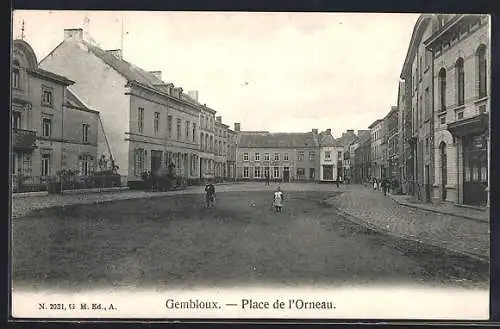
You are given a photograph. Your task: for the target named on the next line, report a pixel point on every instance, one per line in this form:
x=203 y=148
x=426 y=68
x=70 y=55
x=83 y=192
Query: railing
x=23 y=184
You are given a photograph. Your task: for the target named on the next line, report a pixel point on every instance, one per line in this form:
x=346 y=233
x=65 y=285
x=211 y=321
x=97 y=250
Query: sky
x=281 y=72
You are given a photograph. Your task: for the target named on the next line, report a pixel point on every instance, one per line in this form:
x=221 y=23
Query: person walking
x=384 y=185
x=375 y=185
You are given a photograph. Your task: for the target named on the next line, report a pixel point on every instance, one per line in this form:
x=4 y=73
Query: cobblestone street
x=382 y=212
x=361 y=205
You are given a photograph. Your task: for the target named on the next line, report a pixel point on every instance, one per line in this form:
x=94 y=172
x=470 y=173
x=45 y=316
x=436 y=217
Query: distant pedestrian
x=267 y=178
x=384 y=185
x=278 y=199
x=210 y=195
x=337 y=182
x=375 y=185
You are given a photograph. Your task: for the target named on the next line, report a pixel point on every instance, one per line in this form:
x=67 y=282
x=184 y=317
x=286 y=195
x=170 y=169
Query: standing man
x=267 y=178
x=384 y=185
x=210 y=194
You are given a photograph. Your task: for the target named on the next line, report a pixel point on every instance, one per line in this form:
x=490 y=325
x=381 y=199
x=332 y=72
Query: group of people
x=384 y=184
x=278 y=197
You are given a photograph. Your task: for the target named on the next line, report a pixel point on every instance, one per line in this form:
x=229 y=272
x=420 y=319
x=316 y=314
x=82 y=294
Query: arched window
x=459 y=67
x=202 y=140
x=442 y=89
x=16 y=82
x=481 y=70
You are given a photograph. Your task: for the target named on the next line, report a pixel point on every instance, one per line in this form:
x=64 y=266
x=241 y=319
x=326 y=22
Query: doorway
x=444 y=170
x=475 y=174
x=155 y=160
x=286 y=174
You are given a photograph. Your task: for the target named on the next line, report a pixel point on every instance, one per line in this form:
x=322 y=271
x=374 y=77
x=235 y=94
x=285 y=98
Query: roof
x=134 y=73
x=72 y=100
x=416 y=38
x=374 y=123
x=326 y=139
x=50 y=76
x=277 y=140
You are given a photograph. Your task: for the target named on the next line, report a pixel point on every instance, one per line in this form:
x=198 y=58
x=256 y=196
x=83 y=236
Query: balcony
x=24 y=140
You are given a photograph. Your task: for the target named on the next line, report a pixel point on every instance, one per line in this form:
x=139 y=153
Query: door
x=327 y=172
x=475 y=176
x=155 y=161
x=444 y=170
x=286 y=174
x=311 y=173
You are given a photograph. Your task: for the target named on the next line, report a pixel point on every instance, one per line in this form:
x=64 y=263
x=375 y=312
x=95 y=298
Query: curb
x=409 y=237
x=409 y=205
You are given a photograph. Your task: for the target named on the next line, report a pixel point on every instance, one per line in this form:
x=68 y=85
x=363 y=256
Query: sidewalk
x=382 y=213
x=444 y=208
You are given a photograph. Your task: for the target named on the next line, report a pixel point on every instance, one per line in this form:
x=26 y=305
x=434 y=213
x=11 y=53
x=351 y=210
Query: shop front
x=473 y=176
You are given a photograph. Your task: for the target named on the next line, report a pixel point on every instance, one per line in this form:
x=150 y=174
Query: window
x=245 y=172
x=139 y=162
x=46 y=97
x=194 y=132
x=85 y=165
x=245 y=156
x=178 y=129
x=206 y=142
x=420 y=68
x=459 y=67
x=45 y=164
x=420 y=111
x=169 y=123
x=427 y=146
x=460 y=115
x=300 y=156
x=16 y=120
x=266 y=172
x=285 y=156
x=85 y=133
x=140 y=119
x=256 y=173
x=266 y=156
x=339 y=155
x=312 y=156
x=327 y=155
x=442 y=89
x=301 y=172
x=442 y=120
x=156 y=122
x=427 y=104
x=311 y=173
x=188 y=128
x=276 y=172
x=46 y=127
x=276 y=156
x=257 y=156
x=481 y=70
x=15 y=78
x=202 y=140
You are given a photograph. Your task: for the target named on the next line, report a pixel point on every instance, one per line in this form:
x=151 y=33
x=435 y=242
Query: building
x=392 y=125
x=362 y=159
x=51 y=129
x=331 y=157
x=378 y=149
x=232 y=140
x=150 y=124
x=404 y=135
x=221 y=149
x=346 y=140
x=287 y=157
x=417 y=73
x=461 y=71
x=207 y=134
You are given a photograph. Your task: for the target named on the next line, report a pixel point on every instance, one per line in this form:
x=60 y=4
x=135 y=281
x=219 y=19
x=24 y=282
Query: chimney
x=237 y=126
x=193 y=94
x=350 y=131
x=115 y=52
x=315 y=131
x=73 y=34
x=157 y=74
x=219 y=119
x=328 y=131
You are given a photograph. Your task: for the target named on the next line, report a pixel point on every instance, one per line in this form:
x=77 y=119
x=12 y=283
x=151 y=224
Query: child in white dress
x=278 y=199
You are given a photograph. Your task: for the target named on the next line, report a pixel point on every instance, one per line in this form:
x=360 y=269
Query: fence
x=22 y=184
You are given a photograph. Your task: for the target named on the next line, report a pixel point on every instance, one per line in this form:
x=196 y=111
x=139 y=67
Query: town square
x=226 y=154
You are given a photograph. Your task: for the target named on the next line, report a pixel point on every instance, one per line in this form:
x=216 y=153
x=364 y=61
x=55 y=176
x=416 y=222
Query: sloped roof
x=134 y=73
x=326 y=139
x=277 y=140
x=51 y=76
